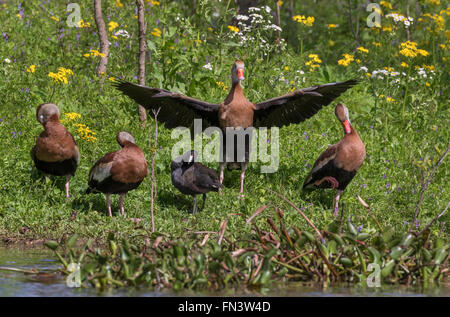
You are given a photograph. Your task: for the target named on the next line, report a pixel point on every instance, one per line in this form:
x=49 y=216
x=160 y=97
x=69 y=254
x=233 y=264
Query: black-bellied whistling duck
x=55 y=152
x=193 y=178
x=337 y=165
x=118 y=172
x=236 y=111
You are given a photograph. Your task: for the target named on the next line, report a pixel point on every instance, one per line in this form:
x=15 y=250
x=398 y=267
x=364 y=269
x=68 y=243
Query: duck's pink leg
x=67 y=186
x=243 y=167
x=221 y=175
x=122 y=210
x=336 y=202
x=108 y=204
x=333 y=181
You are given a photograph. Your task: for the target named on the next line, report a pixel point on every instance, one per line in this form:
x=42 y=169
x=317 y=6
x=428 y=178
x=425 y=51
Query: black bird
x=193 y=178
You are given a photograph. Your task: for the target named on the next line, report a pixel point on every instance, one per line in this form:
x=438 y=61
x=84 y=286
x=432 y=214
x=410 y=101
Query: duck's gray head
x=123 y=137
x=47 y=111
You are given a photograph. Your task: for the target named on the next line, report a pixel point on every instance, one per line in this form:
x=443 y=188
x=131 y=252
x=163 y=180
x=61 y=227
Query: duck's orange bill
x=347 y=126
x=240 y=73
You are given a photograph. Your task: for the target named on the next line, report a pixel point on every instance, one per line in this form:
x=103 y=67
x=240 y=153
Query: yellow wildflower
x=112 y=25
x=82 y=24
x=222 y=85
x=386 y=4
x=427 y=84
x=31 y=69
x=309 y=21
x=314 y=62
x=61 y=75
x=376 y=44
x=346 y=60
x=156 y=32
x=362 y=49
x=70 y=116
x=54 y=18
x=94 y=53
x=404 y=65
x=332 y=26
x=409 y=49
x=154 y=2
x=119 y=4
x=233 y=28
x=390 y=99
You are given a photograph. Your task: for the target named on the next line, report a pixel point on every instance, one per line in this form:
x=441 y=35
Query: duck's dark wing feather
x=176 y=109
x=298 y=105
x=206 y=177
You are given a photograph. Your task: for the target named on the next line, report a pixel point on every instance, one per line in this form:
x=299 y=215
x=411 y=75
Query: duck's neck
x=52 y=122
x=236 y=92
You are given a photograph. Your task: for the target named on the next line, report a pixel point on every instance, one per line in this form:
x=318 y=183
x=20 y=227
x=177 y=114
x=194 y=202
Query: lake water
x=20 y=284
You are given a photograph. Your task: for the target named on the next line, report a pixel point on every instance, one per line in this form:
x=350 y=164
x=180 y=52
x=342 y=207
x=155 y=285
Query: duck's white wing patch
x=101 y=172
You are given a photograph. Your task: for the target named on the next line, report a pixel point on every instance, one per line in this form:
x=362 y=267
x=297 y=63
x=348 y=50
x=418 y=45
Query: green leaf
x=351 y=228
x=387 y=269
x=396 y=252
x=51 y=244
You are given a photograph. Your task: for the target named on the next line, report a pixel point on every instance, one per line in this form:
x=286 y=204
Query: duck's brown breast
x=236 y=110
x=55 y=144
x=130 y=165
x=351 y=152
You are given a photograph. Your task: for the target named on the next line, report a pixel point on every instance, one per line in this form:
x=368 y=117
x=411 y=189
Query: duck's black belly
x=235 y=148
x=343 y=176
x=110 y=186
x=66 y=167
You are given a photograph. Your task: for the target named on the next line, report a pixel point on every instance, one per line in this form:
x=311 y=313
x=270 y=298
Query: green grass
x=401 y=145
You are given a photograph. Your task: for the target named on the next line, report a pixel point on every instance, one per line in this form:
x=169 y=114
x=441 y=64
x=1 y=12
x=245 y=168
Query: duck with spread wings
x=236 y=111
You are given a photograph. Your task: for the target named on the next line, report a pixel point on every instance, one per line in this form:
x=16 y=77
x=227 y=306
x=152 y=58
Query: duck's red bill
x=240 y=73
x=347 y=126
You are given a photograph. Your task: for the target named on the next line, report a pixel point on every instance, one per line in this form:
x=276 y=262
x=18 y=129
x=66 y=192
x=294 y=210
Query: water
x=50 y=284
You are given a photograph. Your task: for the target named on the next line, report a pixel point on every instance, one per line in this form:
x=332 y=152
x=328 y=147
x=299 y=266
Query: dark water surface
x=21 y=284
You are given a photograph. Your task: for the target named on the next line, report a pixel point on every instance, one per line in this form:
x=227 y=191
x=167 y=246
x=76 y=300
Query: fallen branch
x=369 y=211
x=14 y=269
x=257 y=212
x=434 y=219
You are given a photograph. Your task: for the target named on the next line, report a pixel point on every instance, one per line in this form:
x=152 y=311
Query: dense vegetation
x=400 y=109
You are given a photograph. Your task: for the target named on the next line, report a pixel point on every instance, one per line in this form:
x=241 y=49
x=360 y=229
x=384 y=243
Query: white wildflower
x=363 y=68
x=242 y=17
x=123 y=33
x=208 y=66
